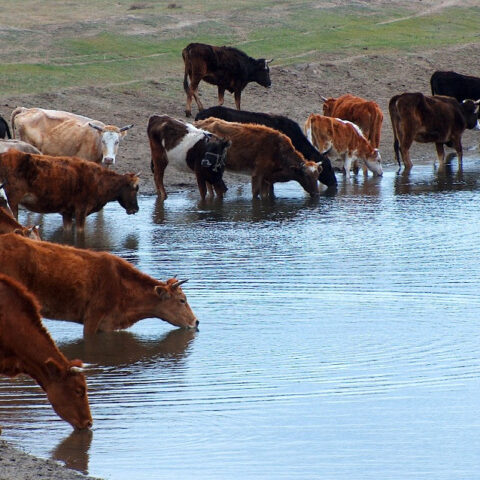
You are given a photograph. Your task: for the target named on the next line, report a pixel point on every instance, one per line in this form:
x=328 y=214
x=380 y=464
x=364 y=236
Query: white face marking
x=177 y=156
x=110 y=141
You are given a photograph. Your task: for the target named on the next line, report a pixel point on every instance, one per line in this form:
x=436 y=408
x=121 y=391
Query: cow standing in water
x=97 y=289
x=226 y=67
x=27 y=348
x=59 y=133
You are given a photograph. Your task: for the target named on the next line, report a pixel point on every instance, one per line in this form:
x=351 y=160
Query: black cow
x=180 y=143
x=455 y=85
x=4 y=129
x=283 y=124
x=430 y=119
x=226 y=67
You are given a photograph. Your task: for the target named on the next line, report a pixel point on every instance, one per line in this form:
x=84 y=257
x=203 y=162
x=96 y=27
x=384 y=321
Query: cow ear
x=162 y=291
x=53 y=368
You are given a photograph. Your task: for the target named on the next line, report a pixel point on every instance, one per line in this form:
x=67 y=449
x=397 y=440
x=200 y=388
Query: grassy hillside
x=73 y=43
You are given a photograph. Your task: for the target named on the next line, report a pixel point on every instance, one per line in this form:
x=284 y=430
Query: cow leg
x=67 y=221
x=405 y=145
x=237 y=96
x=192 y=92
x=80 y=218
x=202 y=186
x=347 y=164
x=221 y=95
x=440 y=152
x=457 y=145
x=159 y=164
x=267 y=189
x=218 y=191
x=257 y=181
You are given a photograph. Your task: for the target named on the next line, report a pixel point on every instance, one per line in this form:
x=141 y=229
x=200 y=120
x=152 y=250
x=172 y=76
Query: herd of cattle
x=58 y=162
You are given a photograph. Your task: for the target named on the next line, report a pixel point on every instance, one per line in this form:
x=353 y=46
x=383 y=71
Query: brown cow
x=27 y=348
x=266 y=154
x=67 y=185
x=59 y=133
x=227 y=67
x=430 y=119
x=342 y=139
x=366 y=114
x=97 y=289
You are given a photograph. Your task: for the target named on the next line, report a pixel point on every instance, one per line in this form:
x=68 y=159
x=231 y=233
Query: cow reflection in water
x=73 y=451
x=123 y=348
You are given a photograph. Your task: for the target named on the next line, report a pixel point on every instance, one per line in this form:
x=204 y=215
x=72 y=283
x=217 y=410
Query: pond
x=339 y=338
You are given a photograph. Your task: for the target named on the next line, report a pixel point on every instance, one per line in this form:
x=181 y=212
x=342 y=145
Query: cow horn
x=269 y=61
x=126 y=127
x=138 y=173
x=96 y=127
x=180 y=282
x=76 y=369
x=323 y=98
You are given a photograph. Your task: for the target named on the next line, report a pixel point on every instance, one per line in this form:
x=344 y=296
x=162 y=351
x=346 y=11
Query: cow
x=344 y=140
x=4 y=130
x=366 y=114
x=430 y=119
x=283 y=124
x=73 y=187
x=226 y=67
x=456 y=85
x=264 y=153
x=59 y=133
x=97 y=289
x=26 y=348
x=14 y=144
x=8 y=224
x=186 y=147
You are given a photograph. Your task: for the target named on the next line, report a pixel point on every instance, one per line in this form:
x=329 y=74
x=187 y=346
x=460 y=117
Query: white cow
x=59 y=133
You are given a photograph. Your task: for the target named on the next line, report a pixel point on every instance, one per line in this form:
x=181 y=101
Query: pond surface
x=339 y=338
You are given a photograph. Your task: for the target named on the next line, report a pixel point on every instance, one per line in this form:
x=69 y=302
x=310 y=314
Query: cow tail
x=186 y=61
x=394 y=119
x=15 y=112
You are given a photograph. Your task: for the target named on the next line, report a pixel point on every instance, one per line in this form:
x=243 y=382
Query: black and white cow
x=283 y=124
x=187 y=147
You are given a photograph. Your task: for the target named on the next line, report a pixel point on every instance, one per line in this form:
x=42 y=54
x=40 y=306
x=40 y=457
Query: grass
x=71 y=45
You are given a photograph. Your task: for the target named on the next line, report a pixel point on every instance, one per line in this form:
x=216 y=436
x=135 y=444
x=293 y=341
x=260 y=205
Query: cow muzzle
x=132 y=211
x=108 y=161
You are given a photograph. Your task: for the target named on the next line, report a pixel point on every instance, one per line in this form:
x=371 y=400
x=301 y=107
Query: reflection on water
x=339 y=338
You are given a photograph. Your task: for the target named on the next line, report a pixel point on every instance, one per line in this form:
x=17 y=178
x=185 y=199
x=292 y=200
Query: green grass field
x=70 y=44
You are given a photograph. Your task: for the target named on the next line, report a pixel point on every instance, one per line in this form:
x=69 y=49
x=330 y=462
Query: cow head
x=29 y=232
x=374 y=162
x=127 y=197
x=110 y=137
x=306 y=175
x=172 y=305
x=212 y=165
x=326 y=172
x=471 y=112
x=328 y=104
x=261 y=73
x=67 y=392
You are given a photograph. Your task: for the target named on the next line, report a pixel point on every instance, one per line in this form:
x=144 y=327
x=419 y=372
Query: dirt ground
x=295 y=92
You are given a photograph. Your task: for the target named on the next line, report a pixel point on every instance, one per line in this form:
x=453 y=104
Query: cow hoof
x=188 y=114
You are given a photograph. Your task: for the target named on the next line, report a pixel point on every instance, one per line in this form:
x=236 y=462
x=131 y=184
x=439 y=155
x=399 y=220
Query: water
x=338 y=339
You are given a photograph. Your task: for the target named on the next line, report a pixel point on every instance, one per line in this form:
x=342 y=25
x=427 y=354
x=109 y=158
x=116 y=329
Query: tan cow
x=344 y=140
x=364 y=113
x=264 y=153
x=73 y=187
x=97 y=289
x=59 y=133
x=6 y=145
x=27 y=348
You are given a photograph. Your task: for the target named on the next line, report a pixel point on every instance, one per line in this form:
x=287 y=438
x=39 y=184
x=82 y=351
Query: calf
x=283 y=124
x=183 y=145
x=266 y=154
x=73 y=187
x=59 y=133
x=97 y=289
x=344 y=140
x=437 y=119
x=27 y=348
x=227 y=67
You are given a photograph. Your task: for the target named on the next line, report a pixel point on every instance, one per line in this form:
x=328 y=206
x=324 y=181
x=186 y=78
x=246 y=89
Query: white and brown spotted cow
x=187 y=148
x=59 y=133
x=344 y=140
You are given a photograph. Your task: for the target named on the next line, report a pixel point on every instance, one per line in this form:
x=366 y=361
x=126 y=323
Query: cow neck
x=33 y=351
x=110 y=184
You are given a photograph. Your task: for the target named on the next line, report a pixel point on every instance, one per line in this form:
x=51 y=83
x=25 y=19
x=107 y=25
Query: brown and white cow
x=364 y=113
x=13 y=144
x=73 y=187
x=344 y=140
x=27 y=348
x=430 y=119
x=189 y=149
x=97 y=289
x=264 y=153
x=59 y=133
x=227 y=67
